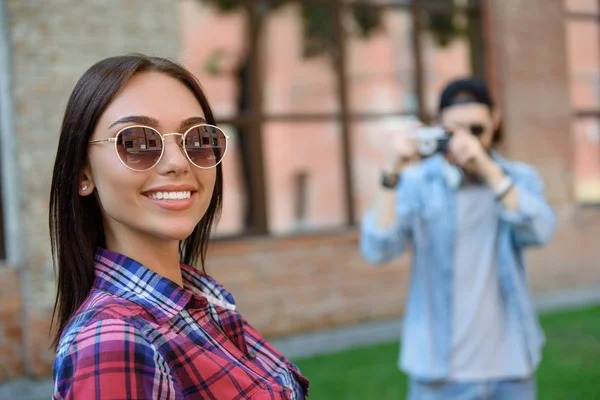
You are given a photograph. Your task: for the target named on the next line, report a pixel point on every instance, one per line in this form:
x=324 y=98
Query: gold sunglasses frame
x=163 y=137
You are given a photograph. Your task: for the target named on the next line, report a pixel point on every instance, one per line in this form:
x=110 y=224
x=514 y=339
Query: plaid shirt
x=139 y=335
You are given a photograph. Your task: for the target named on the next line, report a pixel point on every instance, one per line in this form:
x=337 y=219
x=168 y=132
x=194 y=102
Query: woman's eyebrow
x=153 y=122
x=138 y=119
x=188 y=122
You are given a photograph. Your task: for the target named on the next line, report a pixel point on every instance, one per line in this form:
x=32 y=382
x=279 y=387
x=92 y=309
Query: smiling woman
x=131 y=209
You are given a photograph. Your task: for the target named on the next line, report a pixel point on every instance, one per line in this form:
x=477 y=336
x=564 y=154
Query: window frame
x=585 y=113
x=255 y=118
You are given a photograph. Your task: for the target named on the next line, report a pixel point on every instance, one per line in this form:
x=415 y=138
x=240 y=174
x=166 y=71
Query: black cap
x=461 y=91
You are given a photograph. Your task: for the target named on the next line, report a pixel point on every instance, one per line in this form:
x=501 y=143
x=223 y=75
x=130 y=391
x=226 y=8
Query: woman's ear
x=86 y=183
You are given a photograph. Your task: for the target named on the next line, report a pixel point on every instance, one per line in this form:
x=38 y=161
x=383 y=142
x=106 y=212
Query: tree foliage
x=318 y=28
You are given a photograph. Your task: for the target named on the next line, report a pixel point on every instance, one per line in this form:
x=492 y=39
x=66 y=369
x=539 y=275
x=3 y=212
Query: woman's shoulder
x=103 y=343
x=101 y=314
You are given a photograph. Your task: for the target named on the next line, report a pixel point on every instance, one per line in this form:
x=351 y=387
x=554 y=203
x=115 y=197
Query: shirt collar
x=126 y=278
x=205 y=286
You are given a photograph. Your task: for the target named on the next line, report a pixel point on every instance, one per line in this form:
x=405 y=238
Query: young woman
x=136 y=189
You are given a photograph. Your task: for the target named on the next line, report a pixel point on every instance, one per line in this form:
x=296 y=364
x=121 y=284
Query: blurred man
x=470 y=328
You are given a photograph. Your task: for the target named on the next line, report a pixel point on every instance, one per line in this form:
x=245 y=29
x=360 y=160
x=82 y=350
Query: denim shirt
x=426 y=206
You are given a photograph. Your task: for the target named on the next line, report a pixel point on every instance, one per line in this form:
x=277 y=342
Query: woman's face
x=125 y=196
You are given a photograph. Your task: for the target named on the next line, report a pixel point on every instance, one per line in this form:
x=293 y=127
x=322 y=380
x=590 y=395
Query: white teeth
x=171 y=195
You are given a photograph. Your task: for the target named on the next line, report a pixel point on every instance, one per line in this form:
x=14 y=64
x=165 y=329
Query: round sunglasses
x=140 y=147
x=476 y=128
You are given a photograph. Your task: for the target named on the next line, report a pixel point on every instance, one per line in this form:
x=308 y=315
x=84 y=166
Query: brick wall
x=301 y=283
x=11 y=334
x=52 y=44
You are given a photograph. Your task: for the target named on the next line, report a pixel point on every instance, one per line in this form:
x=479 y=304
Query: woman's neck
x=156 y=254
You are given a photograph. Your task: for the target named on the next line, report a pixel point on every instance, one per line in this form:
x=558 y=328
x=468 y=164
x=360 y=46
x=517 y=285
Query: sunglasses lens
x=205 y=145
x=139 y=147
x=477 y=130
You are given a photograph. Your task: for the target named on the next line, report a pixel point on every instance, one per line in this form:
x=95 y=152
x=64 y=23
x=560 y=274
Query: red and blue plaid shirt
x=139 y=335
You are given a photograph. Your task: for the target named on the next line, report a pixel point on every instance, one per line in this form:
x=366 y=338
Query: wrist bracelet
x=389 y=180
x=503 y=188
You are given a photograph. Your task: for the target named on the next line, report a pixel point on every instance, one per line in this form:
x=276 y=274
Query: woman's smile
x=172 y=197
x=173 y=201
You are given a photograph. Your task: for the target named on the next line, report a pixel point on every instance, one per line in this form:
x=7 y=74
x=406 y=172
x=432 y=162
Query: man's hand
x=403 y=147
x=466 y=151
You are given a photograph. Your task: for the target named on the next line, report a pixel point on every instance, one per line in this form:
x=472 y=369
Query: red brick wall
x=309 y=282
x=572 y=259
x=11 y=332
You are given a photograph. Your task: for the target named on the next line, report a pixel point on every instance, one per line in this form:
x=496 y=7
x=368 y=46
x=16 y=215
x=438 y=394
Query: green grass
x=570 y=369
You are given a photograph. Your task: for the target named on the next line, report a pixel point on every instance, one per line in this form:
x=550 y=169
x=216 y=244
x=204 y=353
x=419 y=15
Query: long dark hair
x=76 y=229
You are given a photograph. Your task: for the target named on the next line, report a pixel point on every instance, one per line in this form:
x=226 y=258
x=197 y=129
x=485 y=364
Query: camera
x=432 y=140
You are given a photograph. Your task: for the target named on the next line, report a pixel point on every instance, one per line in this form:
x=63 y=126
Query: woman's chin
x=177 y=233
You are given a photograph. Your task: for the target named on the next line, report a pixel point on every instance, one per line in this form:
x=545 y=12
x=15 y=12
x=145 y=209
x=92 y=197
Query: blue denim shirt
x=427 y=218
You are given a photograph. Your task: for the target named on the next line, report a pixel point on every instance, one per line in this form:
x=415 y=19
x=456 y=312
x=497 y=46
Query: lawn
x=570 y=368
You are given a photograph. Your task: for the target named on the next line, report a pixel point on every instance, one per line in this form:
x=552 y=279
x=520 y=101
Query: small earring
x=84 y=188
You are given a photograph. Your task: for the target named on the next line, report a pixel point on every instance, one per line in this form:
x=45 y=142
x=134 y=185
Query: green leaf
x=318 y=30
x=443 y=26
x=367 y=18
x=319 y=37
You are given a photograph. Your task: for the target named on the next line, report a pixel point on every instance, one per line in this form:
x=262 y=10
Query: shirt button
x=251 y=355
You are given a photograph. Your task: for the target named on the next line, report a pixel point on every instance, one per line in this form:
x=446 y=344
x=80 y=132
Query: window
x=583 y=41
x=415 y=60
x=309 y=91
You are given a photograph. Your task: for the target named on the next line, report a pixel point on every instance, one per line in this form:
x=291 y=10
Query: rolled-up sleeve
x=534 y=221
x=112 y=360
x=382 y=245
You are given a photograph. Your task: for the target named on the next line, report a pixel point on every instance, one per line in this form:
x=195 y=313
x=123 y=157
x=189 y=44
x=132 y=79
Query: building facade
x=310 y=93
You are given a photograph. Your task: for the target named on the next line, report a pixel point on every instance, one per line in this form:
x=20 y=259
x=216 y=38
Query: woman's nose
x=174 y=158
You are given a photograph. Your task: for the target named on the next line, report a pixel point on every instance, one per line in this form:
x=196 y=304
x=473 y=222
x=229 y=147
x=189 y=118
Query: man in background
x=470 y=328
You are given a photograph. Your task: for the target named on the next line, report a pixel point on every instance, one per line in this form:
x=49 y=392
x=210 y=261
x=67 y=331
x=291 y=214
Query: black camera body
x=432 y=140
